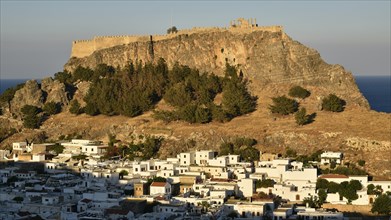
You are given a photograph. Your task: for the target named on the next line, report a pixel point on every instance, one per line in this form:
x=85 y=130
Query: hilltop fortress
x=83 y=48
x=265 y=54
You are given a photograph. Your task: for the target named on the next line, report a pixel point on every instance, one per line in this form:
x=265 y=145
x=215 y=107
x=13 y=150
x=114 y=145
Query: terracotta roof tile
x=159 y=184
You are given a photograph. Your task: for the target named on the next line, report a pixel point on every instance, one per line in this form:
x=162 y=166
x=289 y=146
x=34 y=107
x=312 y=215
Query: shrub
x=301 y=117
x=361 y=162
x=264 y=183
x=283 y=105
x=382 y=205
x=333 y=103
x=75 y=108
x=63 y=77
x=51 y=108
x=30 y=116
x=172 y=29
x=166 y=116
x=178 y=95
x=299 y=92
x=202 y=115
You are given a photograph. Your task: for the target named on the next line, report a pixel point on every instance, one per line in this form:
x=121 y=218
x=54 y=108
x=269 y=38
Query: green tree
x=264 y=183
x=150 y=147
x=51 y=108
x=30 y=116
x=179 y=95
x=82 y=73
x=123 y=173
x=63 y=77
x=346 y=190
x=333 y=187
x=333 y=103
x=237 y=100
x=311 y=201
x=290 y=153
x=283 y=105
x=322 y=183
x=57 y=148
x=249 y=154
x=382 y=205
x=75 y=108
x=226 y=148
x=187 y=113
x=172 y=29
x=218 y=113
x=322 y=196
x=299 y=92
x=355 y=184
x=301 y=117
x=91 y=109
x=202 y=115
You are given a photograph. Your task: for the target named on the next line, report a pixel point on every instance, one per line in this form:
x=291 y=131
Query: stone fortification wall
x=83 y=48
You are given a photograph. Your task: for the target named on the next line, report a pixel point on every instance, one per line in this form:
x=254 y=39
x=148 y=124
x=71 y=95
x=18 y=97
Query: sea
x=377 y=90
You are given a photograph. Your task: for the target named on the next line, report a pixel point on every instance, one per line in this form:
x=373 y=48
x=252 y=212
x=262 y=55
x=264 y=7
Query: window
x=184 y=156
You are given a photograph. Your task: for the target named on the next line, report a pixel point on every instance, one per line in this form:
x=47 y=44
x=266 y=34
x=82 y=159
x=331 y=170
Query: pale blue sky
x=36 y=36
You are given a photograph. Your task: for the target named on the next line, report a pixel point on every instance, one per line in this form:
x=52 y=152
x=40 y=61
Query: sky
x=36 y=36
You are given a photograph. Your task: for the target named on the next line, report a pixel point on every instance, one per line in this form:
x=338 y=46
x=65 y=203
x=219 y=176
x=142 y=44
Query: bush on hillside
x=283 y=105
x=301 y=117
x=299 y=92
x=333 y=103
x=75 y=108
x=30 y=116
x=51 y=108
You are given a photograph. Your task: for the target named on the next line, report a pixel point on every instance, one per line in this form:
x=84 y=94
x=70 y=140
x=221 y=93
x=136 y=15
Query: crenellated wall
x=83 y=48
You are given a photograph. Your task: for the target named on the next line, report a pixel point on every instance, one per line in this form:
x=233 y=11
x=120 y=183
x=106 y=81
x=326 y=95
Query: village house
x=331 y=157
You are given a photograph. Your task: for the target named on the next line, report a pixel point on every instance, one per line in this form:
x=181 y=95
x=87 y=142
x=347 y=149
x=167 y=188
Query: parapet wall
x=82 y=48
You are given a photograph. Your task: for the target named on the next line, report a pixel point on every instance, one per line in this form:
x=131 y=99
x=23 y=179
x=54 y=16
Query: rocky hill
x=268 y=57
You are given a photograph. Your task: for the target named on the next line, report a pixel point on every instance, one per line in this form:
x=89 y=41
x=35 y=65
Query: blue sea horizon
x=376 y=89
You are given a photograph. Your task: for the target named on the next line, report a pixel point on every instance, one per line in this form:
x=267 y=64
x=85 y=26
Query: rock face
x=55 y=91
x=265 y=57
x=35 y=94
x=30 y=94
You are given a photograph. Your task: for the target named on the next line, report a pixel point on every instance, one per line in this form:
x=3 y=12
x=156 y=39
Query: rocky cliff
x=265 y=57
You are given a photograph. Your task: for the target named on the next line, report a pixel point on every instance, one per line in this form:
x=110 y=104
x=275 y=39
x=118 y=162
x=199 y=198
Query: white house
x=328 y=157
x=160 y=188
x=94 y=149
x=221 y=161
x=21 y=146
x=246 y=187
x=202 y=157
x=186 y=159
x=312 y=214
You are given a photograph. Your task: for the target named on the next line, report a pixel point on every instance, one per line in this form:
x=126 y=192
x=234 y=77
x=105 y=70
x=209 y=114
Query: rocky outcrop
x=30 y=94
x=81 y=92
x=55 y=91
x=33 y=93
x=265 y=57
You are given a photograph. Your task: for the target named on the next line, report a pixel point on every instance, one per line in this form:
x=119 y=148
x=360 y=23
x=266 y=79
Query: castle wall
x=83 y=48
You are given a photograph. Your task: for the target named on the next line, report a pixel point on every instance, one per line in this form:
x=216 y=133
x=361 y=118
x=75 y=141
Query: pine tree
x=283 y=105
x=333 y=103
x=301 y=117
